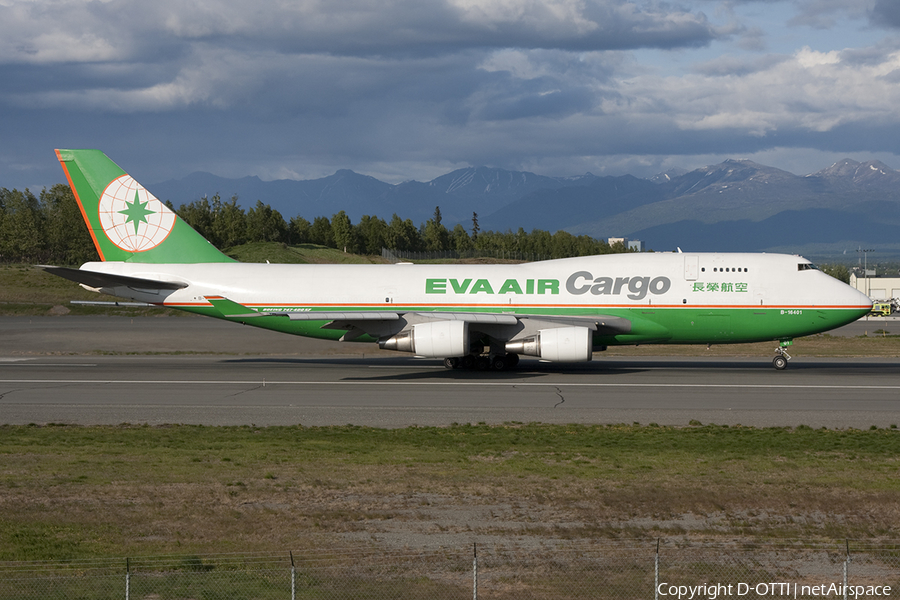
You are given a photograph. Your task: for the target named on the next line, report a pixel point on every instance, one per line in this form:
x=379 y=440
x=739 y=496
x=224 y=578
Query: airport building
x=877 y=288
x=634 y=245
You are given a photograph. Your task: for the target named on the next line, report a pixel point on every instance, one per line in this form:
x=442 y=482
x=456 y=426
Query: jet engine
x=435 y=339
x=566 y=344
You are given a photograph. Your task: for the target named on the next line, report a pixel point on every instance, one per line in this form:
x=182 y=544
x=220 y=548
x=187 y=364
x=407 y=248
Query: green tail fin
x=126 y=221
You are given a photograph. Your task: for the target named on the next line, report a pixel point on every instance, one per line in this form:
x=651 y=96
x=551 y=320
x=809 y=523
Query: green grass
x=260 y=252
x=71 y=492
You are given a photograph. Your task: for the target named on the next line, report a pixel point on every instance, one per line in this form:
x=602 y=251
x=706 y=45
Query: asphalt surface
x=262 y=378
x=55 y=370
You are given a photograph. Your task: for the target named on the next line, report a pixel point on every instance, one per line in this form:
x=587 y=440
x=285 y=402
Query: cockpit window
x=807 y=267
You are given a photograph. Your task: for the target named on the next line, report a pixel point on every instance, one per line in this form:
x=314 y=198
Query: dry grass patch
x=70 y=492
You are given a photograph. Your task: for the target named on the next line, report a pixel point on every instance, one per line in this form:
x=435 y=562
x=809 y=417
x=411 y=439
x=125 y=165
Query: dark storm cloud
x=411 y=27
x=301 y=88
x=886 y=13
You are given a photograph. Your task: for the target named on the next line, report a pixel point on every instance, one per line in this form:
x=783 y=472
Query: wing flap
x=492 y=318
x=604 y=324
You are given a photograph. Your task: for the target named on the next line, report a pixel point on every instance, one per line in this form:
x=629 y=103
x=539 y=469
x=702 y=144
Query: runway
x=399 y=392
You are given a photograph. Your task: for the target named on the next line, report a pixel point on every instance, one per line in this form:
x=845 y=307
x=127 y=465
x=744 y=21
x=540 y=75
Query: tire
x=451 y=363
x=780 y=363
x=498 y=363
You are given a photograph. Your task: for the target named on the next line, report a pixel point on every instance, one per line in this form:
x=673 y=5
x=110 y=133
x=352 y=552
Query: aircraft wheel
x=451 y=363
x=482 y=363
x=468 y=361
x=498 y=363
x=780 y=363
x=512 y=361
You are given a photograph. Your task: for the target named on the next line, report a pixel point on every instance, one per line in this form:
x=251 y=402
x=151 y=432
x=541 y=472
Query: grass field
x=77 y=492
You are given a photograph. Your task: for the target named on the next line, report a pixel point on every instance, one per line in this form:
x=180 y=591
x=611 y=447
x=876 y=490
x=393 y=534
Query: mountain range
x=737 y=205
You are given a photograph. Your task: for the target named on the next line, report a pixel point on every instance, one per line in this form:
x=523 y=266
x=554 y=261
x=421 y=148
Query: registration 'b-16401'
x=484 y=316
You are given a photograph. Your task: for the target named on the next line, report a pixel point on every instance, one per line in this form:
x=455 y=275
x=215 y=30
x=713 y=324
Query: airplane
x=471 y=316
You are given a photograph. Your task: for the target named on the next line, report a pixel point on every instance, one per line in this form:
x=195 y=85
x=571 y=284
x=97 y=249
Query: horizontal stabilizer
x=230 y=308
x=98 y=280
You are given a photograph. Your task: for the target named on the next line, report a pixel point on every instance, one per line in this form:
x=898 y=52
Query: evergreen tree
x=199 y=215
x=229 y=225
x=402 y=234
x=67 y=239
x=343 y=232
x=372 y=232
x=299 y=231
x=321 y=232
x=436 y=237
x=22 y=233
x=265 y=224
x=460 y=240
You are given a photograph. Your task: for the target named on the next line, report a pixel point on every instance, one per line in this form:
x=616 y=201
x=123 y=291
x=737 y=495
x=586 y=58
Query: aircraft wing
x=365 y=315
x=380 y=323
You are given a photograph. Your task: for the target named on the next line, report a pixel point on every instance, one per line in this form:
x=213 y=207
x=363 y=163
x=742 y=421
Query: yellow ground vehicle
x=881 y=309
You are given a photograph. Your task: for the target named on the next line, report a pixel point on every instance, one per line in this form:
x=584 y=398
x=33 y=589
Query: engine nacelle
x=563 y=344
x=435 y=339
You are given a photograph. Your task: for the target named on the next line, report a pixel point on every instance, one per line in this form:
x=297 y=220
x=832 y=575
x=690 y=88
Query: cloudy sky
x=412 y=89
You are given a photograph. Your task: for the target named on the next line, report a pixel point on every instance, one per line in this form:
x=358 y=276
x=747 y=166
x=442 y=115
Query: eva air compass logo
x=132 y=218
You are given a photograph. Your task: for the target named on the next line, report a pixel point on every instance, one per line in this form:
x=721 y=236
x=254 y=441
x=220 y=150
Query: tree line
x=225 y=225
x=49 y=229
x=44 y=229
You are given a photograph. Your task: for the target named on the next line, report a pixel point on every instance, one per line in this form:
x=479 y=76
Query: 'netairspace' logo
x=132 y=218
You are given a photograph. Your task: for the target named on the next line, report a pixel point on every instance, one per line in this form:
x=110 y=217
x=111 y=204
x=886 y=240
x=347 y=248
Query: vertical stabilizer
x=128 y=223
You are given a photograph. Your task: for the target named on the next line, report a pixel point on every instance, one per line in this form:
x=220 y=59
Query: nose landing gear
x=781 y=356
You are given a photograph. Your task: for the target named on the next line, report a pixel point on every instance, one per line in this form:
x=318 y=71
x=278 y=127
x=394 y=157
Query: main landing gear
x=497 y=362
x=781 y=356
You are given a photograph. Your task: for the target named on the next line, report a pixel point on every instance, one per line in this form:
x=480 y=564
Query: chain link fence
x=659 y=570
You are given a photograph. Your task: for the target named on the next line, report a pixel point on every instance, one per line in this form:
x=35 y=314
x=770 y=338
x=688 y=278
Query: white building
x=877 y=288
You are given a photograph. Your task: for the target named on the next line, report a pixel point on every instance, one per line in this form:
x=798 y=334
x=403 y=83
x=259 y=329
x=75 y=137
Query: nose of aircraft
x=853 y=298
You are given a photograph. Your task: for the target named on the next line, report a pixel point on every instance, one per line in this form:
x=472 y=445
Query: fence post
x=475 y=571
x=127 y=579
x=846 y=568
x=293 y=577
x=656 y=573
